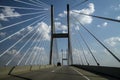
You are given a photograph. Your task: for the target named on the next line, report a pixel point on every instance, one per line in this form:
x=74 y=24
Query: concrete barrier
x=34 y=68
x=110 y=71
x=4 y=71
x=21 y=69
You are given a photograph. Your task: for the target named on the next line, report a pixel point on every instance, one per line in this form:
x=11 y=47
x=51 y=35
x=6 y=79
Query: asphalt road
x=57 y=73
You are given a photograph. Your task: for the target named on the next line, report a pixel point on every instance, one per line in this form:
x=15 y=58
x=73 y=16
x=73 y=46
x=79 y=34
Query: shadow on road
x=20 y=77
x=10 y=73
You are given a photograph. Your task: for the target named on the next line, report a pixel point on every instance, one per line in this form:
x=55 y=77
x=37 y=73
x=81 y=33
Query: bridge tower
x=61 y=35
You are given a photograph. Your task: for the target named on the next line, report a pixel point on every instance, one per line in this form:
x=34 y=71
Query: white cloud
x=82 y=18
x=64 y=31
x=8 y=12
x=113 y=41
x=59 y=26
x=2 y=17
x=44 y=57
x=23 y=31
x=101 y=56
x=57 y=23
x=76 y=55
x=56 y=19
x=36 y=48
x=46 y=9
x=3 y=34
x=62 y=14
x=105 y=24
x=89 y=10
x=77 y=28
x=17 y=35
x=116 y=7
x=118 y=17
x=106 y=52
x=12 y=52
x=44 y=29
x=98 y=25
x=29 y=28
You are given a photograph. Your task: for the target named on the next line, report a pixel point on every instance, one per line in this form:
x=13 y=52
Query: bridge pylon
x=61 y=35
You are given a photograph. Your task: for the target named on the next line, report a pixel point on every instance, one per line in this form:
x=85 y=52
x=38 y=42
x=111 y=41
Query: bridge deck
x=58 y=73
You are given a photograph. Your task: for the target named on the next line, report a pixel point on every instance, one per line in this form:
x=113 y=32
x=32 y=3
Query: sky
x=25 y=31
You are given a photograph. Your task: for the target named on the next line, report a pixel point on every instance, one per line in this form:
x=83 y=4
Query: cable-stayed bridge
x=37 y=42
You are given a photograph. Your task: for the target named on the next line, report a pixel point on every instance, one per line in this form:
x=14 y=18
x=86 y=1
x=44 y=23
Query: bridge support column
x=60 y=35
x=70 y=60
x=52 y=25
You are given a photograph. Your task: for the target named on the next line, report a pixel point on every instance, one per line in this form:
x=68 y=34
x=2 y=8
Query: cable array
x=34 y=36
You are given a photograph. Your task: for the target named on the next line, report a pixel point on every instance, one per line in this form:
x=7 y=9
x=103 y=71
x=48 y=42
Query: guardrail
x=4 y=71
x=110 y=71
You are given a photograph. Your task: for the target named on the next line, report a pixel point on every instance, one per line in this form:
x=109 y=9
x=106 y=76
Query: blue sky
x=107 y=32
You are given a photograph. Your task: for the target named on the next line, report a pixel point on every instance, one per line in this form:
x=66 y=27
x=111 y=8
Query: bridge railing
x=4 y=71
x=109 y=71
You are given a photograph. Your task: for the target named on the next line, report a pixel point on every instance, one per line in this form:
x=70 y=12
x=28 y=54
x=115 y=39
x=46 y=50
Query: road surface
x=57 y=73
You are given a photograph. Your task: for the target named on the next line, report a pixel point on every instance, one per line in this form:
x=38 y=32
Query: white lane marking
x=56 y=69
x=81 y=74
